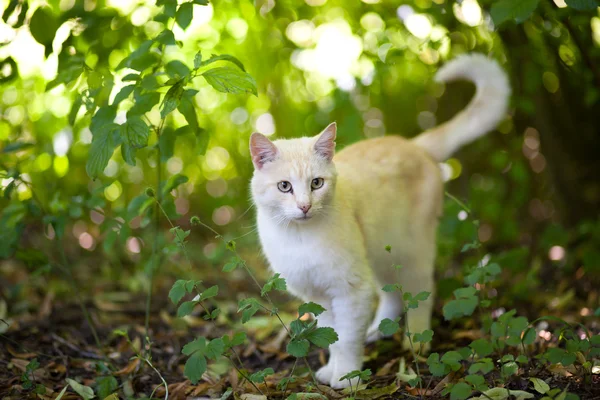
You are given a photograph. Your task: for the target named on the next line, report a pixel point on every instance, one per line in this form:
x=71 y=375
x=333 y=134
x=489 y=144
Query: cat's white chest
x=312 y=262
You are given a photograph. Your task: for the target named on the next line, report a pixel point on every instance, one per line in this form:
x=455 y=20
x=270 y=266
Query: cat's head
x=294 y=180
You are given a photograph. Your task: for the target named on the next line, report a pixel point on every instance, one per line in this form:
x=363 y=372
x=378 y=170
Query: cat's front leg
x=352 y=314
x=325 y=373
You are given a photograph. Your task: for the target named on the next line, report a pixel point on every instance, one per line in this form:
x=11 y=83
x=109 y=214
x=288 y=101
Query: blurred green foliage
x=73 y=71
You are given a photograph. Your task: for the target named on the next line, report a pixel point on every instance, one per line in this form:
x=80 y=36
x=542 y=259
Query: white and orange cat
x=324 y=220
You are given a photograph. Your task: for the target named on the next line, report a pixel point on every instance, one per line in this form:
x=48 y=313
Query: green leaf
x=176 y=69
x=259 y=377
x=197 y=345
x=166 y=37
x=9 y=10
x=583 y=4
x=195 y=367
x=484 y=365
x=170 y=7
x=517 y=10
x=222 y=57
x=173 y=182
x=230 y=80
x=539 y=385
x=298 y=347
x=144 y=103
x=180 y=235
x=237 y=339
x=392 y=288
x=186 y=107
x=248 y=307
x=436 y=367
x=178 y=290
x=231 y=265
x=198 y=60
x=274 y=283
x=322 y=337
x=460 y=391
x=424 y=337
x=43 y=25
x=85 y=392
x=210 y=292
x=184 y=15
x=388 y=327
x=104 y=142
x=452 y=359
x=362 y=375
x=312 y=308
x=171 y=100
x=123 y=94
x=106 y=385
x=186 y=308
x=215 y=348
x=482 y=347
x=477 y=381
x=135 y=132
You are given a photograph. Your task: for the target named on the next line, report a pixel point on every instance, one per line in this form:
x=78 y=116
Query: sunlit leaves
x=166 y=37
x=173 y=182
x=134 y=135
x=123 y=94
x=516 y=10
x=198 y=63
x=104 y=142
x=583 y=4
x=184 y=15
x=43 y=26
x=171 y=100
x=230 y=80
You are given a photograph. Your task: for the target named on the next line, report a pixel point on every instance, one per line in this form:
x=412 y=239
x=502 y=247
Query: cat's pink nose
x=305 y=208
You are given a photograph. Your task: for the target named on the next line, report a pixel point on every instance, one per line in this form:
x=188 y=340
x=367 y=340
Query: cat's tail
x=484 y=112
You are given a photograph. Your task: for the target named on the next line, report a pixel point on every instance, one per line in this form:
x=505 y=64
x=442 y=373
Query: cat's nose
x=305 y=207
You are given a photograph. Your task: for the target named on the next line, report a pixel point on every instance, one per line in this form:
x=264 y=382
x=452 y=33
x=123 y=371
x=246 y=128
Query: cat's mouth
x=303 y=218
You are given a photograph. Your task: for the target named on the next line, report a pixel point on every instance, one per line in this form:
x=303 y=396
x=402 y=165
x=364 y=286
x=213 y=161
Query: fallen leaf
x=451 y=377
x=16 y=354
x=84 y=391
x=503 y=394
x=386 y=369
x=250 y=396
x=133 y=364
x=375 y=393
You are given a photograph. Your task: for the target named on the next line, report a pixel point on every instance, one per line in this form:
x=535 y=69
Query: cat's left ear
x=325 y=144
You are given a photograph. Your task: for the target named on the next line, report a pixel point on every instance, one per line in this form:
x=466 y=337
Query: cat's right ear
x=262 y=150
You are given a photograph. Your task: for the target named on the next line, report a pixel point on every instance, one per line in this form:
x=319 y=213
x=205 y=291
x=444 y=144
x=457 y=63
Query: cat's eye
x=317 y=183
x=284 y=186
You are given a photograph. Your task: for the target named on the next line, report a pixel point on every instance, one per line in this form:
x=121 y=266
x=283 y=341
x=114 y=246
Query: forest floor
x=59 y=339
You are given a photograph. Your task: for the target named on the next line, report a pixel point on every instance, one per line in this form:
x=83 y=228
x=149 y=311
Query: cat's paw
x=325 y=374
x=373 y=335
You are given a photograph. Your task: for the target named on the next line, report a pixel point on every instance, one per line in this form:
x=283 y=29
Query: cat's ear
x=325 y=144
x=262 y=150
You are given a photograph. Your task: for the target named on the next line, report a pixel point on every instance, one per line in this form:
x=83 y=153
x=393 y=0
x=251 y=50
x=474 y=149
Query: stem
x=161 y=378
x=156 y=241
x=291 y=374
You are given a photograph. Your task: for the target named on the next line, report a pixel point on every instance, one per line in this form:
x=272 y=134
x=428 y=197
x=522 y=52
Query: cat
x=324 y=221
